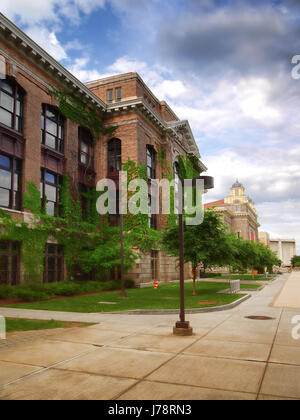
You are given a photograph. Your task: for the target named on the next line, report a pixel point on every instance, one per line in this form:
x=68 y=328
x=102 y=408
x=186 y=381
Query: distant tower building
x=238 y=212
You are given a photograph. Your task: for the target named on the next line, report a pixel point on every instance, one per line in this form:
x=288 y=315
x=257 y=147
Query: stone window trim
x=52 y=128
x=12 y=105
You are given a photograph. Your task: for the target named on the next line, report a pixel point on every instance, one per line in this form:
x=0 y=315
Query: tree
x=266 y=258
x=250 y=255
x=295 y=261
x=208 y=243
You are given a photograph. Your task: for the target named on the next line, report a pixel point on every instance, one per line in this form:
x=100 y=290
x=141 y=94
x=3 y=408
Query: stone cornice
x=27 y=47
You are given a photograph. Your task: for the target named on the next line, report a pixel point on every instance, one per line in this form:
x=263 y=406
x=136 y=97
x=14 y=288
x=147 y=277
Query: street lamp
x=182 y=327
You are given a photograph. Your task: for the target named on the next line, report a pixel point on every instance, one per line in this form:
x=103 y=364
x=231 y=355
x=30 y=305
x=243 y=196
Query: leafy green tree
x=295 y=261
x=208 y=243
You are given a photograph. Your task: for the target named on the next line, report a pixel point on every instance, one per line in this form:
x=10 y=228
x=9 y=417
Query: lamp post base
x=182 y=328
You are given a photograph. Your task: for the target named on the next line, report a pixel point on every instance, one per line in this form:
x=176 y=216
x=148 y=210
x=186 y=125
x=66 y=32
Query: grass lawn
x=165 y=297
x=16 y=324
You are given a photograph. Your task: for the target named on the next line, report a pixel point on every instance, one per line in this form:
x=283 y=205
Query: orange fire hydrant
x=155 y=285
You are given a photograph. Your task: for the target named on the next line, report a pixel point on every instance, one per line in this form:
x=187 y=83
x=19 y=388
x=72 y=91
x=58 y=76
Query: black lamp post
x=182 y=327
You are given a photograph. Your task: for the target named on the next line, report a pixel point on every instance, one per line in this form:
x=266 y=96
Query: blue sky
x=225 y=65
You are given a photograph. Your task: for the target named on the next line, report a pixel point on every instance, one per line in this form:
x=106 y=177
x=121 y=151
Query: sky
x=225 y=65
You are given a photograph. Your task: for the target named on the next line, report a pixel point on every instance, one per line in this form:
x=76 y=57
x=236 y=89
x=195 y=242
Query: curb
x=176 y=311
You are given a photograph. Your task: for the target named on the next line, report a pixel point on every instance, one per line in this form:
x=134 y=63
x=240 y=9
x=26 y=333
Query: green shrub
x=31 y=292
x=297 y=264
x=6 y=292
x=129 y=284
x=28 y=295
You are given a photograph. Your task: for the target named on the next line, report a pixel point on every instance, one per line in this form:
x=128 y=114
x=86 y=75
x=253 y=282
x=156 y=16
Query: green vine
x=78 y=112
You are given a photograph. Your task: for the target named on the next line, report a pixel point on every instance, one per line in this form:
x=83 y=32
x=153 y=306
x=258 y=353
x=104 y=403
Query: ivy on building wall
x=77 y=111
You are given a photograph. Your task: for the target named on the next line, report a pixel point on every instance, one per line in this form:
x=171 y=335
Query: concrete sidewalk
x=137 y=357
x=289 y=296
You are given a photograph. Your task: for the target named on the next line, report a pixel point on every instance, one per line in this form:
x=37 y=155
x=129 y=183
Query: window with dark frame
x=11 y=105
x=54 y=263
x=85 y=147
x=114 y=155
x=152 y=220
x=151 y=162
x=109 y=96
x=10 y=182
x=9 y=262
x=53 y=127
x=49 y=187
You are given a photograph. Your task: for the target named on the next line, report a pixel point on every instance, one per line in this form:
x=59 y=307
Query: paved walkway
x=289 y=296
x=137 y=357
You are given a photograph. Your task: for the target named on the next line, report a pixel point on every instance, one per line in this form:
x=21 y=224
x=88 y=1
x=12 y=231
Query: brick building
x=238 y=212
x=37 y=142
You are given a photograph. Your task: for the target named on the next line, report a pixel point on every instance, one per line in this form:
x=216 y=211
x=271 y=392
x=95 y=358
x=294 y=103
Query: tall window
x=86 y=147
x=152 y=221
x=118 y=94
x=11 y=105
x=109 y=96
x=151 y=162
x=114 y=154
x=9 y=262
x=52 y=128
x=49 y=188
x=53 y=271
x=10 y=182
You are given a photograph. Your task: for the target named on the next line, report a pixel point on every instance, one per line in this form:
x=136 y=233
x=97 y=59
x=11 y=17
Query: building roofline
x=28 y=46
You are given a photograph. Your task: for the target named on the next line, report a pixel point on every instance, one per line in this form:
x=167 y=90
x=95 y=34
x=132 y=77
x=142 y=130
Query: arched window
x=53 y=124
x=85 y=147
x=11 y=105
x=114 y=153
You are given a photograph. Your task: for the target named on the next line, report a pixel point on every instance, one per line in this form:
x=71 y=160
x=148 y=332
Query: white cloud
x=48 y=40
x=30 y=13
x=80 y=69
x=281 y=220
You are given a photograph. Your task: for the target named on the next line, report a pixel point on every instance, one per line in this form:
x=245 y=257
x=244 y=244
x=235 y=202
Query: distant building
x=238 y=212
x=264 y=238
x=285 y=249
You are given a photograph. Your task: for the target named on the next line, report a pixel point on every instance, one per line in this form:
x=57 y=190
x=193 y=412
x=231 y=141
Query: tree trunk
x=194 y=280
